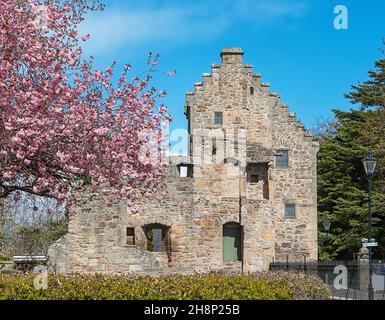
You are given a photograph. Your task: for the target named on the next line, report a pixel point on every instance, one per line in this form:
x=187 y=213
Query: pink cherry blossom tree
x=65 y=125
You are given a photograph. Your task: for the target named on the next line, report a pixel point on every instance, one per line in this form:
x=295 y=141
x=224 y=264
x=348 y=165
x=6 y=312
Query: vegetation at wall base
x=4 y=257
x=277 y=285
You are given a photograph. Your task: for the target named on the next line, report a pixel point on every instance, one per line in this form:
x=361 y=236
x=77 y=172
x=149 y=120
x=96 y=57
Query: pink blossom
x=86 y=37
x=62 y=120
x=9 y=174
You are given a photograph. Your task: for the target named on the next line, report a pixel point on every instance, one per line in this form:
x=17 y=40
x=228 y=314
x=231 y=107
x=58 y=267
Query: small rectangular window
x=218 y=118
x=130 y=236
x=282 y=158
x=289 y=210
x=253 y=178
x=185 y=170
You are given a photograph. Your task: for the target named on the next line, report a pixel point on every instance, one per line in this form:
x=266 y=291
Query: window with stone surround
x=157 y=237
x=214 y=150
x=185 y=170
x=258 y=178
x=289 y=210
x=130 y=236
x=282 y=158
x=218 y=117
x=251 y=90
x=254 y=178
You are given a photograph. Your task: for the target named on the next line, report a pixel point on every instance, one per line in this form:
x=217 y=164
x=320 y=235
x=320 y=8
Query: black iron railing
x=346 y=278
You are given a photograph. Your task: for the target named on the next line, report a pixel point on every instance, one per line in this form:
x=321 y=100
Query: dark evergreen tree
x=342 y=182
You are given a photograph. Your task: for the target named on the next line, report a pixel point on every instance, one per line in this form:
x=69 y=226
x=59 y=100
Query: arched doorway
x=157 y=237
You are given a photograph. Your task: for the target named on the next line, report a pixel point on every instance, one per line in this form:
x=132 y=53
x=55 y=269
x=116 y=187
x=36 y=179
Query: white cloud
x=175 y=23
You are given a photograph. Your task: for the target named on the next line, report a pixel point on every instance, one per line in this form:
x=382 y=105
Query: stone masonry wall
x=195 y=209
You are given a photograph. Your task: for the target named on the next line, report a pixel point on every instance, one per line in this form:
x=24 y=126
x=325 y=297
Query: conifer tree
x=342 y=182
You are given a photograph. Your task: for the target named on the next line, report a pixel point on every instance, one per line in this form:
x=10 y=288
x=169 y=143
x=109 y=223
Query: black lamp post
x=326 y=224
x=370 y=163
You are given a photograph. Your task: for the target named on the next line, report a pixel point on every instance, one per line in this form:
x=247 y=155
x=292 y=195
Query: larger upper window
x=282 y=158
x=218 y=117
x=289 y=210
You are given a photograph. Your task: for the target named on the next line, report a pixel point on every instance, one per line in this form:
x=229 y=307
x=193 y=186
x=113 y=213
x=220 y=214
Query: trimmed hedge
x=213 y=286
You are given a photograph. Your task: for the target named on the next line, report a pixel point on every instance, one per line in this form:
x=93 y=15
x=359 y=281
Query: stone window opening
x=214 y=150
x=282 y=158
x=218 y=117
x=254 y=178
x=157 y=237
x=185 y=170
x=232 y=242
x=290 y=212
x=130 y=236
x=257 y=177
x=251 y=90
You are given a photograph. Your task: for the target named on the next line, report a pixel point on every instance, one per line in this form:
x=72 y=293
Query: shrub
x=4 y=257
x=213 y=286
x=304 y=286
x=37 y=239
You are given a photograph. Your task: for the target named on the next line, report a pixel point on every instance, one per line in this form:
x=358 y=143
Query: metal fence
x=346 y=279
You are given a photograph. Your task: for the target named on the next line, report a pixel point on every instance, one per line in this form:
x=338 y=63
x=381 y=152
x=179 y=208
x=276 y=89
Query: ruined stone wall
x=96 y=242
x=173 y=210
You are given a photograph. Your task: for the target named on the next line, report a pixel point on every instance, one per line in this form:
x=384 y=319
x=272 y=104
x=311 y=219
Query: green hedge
x=214 y=286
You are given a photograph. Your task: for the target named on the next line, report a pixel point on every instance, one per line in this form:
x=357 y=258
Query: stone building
x=245 y=194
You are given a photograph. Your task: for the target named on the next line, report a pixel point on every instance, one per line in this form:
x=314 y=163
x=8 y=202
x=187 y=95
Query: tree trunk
x=1 y=212
x=1 y=222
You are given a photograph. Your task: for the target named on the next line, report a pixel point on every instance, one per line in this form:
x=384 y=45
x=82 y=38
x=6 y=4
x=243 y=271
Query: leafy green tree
x=37 y=239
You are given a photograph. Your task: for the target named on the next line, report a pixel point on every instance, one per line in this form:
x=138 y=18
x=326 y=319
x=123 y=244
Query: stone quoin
x=245 y=194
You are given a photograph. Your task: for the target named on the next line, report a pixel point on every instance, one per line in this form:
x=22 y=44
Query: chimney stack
x=232 y=56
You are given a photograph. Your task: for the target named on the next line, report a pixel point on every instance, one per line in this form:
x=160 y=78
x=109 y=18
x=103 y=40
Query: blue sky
x=292 y=43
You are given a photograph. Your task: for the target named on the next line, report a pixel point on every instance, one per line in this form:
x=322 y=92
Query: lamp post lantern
x=326 y=225
x=370 y=163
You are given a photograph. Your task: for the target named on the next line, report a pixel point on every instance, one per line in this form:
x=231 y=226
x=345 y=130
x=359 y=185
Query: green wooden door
x=231 y=243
